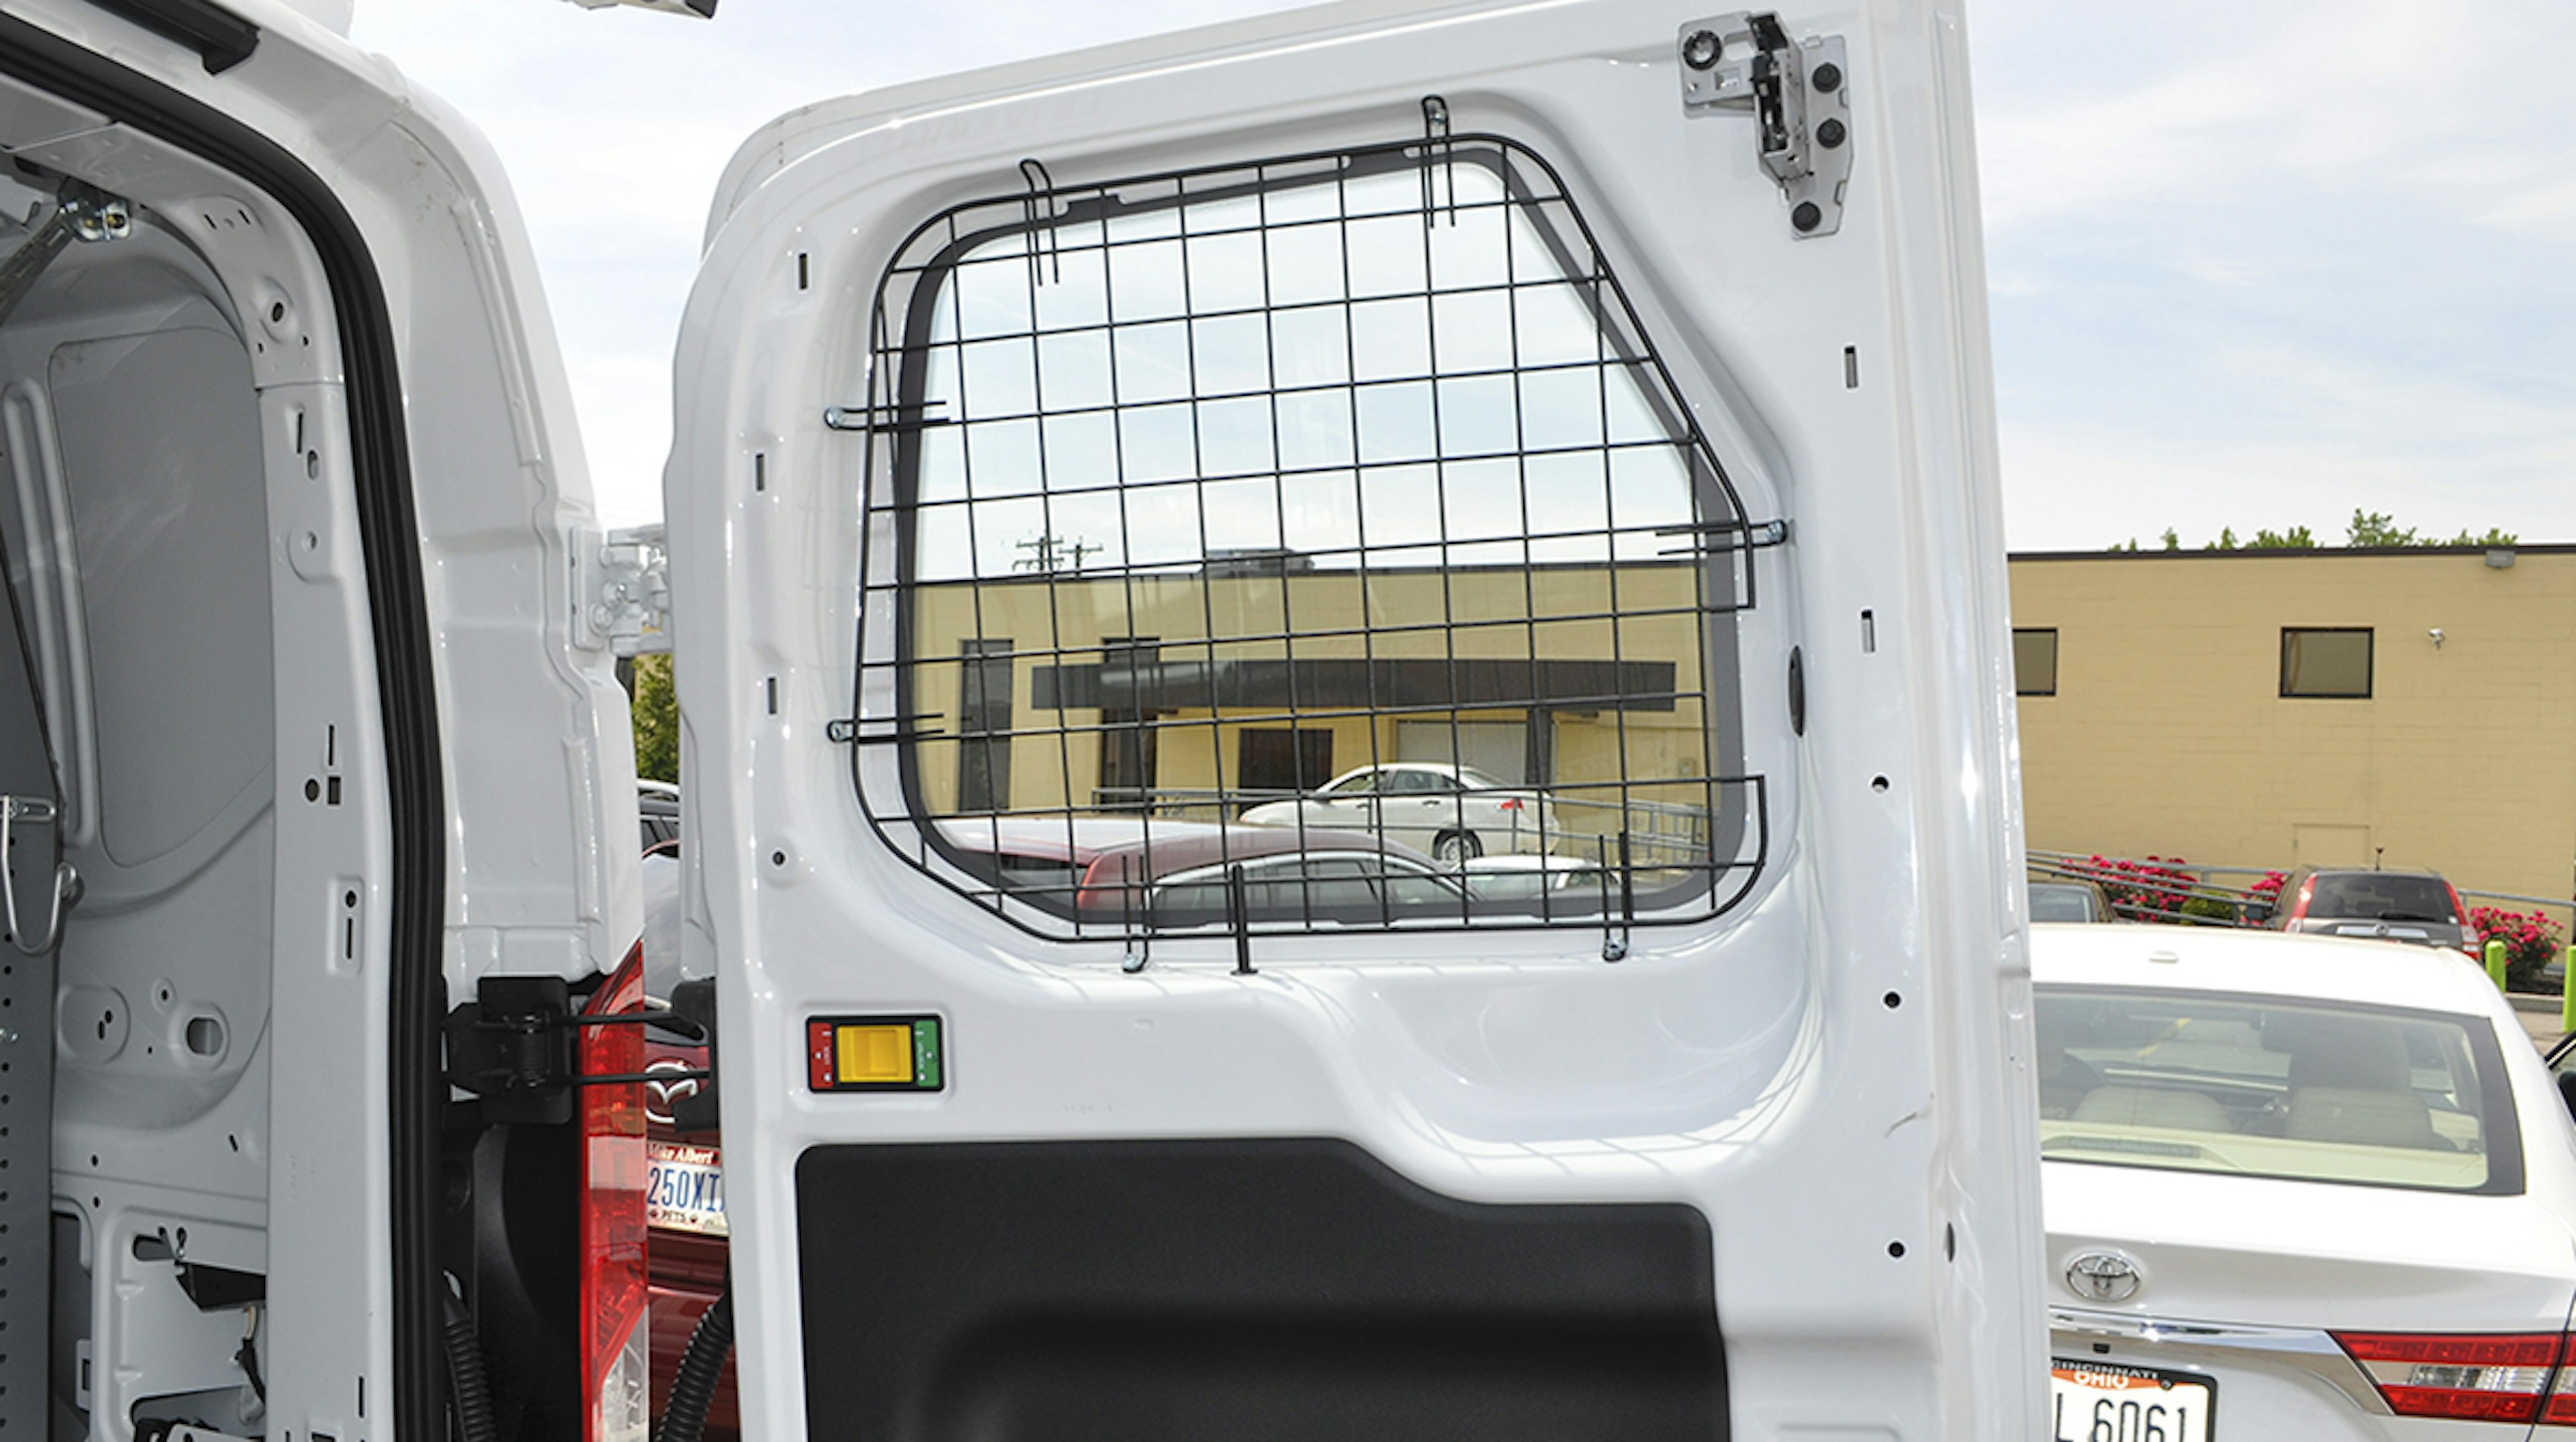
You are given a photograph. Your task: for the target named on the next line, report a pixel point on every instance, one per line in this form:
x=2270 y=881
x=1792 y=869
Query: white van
x=1592 y=390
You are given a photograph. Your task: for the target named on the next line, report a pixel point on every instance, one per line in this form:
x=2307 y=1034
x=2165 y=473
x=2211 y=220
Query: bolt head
x=1831 y=134
x=1806 y=217
x=1827 y=78
x=1701 y=48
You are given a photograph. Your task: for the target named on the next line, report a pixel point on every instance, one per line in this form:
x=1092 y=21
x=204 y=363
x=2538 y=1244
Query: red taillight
x=2459 y=910
x=2486 y=1378
x=1508 y=803
x=614 y=1339
x=2299 y=906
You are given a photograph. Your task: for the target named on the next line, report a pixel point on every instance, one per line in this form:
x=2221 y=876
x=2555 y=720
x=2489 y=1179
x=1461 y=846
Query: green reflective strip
x=925 y=1053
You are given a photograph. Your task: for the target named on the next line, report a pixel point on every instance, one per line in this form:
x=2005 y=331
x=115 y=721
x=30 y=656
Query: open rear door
x=1563 y=428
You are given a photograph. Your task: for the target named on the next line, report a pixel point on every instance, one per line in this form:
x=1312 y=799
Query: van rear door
x=1074 y=459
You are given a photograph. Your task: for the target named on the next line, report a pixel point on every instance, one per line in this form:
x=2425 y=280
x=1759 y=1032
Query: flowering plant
x=2530 y=940
x=2149 y=890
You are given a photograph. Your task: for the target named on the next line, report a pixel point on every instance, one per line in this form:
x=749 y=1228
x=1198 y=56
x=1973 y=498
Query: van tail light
x=614 y=1338
x=2299 y=907
x=2459 y=908
x=2485 y=1378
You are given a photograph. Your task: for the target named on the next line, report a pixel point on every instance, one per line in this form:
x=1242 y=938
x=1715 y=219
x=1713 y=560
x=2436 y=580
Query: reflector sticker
x=874 y=1054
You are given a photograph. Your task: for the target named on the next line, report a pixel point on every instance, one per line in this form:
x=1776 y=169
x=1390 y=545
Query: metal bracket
x=1798 y=94
x=622 y=590
x=66 y=887
x=82 y=212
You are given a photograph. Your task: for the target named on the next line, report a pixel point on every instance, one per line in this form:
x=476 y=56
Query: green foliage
x=2378 y=528
x=2211 y=907
x=2495 y=536
x=2367 y=528
x=657 y=721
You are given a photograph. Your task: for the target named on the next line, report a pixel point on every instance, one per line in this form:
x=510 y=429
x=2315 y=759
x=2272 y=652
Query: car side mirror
x=2567 y=1090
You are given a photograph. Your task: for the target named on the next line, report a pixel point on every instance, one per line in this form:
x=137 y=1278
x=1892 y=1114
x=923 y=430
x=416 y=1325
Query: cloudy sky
x=2251 y=266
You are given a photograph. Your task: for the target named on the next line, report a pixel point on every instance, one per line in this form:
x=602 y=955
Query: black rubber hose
x=693 y=1387
x=469 y=1392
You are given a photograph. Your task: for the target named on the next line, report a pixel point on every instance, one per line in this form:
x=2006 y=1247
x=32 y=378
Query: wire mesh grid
x=1312 y=542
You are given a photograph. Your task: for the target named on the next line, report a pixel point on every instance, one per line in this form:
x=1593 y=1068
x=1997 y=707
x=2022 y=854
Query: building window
x=2035 y=662
x=2331 y=661
x=1358 y=459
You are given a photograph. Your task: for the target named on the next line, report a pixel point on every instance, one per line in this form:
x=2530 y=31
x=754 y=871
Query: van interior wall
x=134 y=506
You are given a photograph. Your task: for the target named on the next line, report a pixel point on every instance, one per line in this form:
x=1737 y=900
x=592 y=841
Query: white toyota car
x=1456 y=813
x=2296 y=1188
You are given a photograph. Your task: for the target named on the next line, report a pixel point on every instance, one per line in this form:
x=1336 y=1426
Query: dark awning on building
x=1144 y=686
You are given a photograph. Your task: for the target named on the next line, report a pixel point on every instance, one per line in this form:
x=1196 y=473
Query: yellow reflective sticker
x=881 y=1053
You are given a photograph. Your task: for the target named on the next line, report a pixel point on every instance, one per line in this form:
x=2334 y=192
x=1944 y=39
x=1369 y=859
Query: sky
x=2250 y=267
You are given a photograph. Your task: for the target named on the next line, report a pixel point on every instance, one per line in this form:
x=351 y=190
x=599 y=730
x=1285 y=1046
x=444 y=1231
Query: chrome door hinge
x=1799 y=93
x=622 y=590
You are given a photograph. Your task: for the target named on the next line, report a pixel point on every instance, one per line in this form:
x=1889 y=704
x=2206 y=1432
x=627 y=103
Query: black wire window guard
x=1302 y=545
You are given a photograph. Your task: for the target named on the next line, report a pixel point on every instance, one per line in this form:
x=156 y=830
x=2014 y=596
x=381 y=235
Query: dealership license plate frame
x=693 y=1200
x=2164 y=1382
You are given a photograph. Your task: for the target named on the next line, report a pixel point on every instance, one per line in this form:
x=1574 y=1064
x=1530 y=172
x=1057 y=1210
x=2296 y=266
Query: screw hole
x=312 y=790
x=1878 y=783
x=1893 y=1001
x=1896 y=1249
x=778 y=858
x=276 y=312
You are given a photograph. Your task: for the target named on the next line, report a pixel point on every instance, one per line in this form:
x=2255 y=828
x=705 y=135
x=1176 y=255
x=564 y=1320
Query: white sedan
x=1454 y=812
x=2296 y=1188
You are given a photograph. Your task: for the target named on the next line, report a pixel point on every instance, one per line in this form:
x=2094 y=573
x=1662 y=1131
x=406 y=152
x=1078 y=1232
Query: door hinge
x=513 y=1046
x=1799 y=94
x=621 y=587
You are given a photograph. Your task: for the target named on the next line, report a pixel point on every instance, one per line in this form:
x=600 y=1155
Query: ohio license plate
x=2104 y=1402
x=683 y=1189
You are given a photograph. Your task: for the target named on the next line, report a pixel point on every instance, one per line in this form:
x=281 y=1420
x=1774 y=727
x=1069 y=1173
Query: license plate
x=2104 y=1402
x=683 y=1189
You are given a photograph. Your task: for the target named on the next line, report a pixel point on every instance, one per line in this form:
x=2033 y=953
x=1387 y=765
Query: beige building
x=2268 y=708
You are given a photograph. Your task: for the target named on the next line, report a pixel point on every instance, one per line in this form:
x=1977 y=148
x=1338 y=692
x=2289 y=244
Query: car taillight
x=2562 y=1393
x=1508 y=803
x=2459 y=910
x=2299 y=906
x=2492 y=1378
x=614 y=1339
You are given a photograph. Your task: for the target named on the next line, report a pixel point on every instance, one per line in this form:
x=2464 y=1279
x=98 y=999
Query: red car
x=684 y=1179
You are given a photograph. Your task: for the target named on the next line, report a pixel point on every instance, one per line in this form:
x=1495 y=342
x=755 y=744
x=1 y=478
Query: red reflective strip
x=613 y=1292
x=2458 y=1404
x=819 y=1072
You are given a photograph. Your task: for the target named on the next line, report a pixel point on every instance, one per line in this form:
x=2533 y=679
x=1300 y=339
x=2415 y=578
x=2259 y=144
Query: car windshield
x=2274 y=1087
x=2061 y=901
x=2380 y=896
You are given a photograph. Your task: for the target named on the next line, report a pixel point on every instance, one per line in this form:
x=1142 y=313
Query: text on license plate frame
x=684 y=1189
x=2095 y=1401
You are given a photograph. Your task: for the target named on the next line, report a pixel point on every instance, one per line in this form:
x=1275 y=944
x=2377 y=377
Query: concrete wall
x=2168 y=733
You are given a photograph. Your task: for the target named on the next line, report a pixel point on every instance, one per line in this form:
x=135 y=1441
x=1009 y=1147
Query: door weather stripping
x=66 y=882
x=81 y=212
x=1800 y=104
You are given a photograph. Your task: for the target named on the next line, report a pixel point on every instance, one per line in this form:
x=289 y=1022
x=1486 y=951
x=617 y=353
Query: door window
x=1374 y=448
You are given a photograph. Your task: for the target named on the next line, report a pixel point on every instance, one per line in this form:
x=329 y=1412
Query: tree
x=2296 y=538
x=2378 y=528
x=657 y=721
x=2172 y=541
x=2495 y=536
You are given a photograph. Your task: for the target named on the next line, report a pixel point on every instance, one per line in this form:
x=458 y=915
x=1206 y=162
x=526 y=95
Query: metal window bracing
x=1357 y=439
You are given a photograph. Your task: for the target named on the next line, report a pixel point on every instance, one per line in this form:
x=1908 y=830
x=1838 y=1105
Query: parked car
x=1525 y=877
x=1454 y=812
x=2083 y=901
x=2296 y=1187
x=685 y=1238
x=657 y=807
x=2416 y=906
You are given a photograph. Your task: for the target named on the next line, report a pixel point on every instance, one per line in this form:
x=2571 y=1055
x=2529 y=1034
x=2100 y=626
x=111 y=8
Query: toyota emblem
x=2102 y=1277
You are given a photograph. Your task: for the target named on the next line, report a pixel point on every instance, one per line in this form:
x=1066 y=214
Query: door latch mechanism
x=1799 y=94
